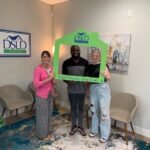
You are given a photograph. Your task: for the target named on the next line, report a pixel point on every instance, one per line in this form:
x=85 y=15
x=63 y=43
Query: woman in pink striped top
x=44 y=84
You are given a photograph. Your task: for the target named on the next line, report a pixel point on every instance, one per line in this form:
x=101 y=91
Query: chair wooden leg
x=115 y=123
x=87 y=118
x=132 y=127
x=11 y=118
x=3 y=111
x=11 y=113
x=17 y=112
x=126 y=132
x=32 y=106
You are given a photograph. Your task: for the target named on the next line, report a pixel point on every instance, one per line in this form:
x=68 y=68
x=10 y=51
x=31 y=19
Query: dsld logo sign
x=14 y=42
x=81 y=38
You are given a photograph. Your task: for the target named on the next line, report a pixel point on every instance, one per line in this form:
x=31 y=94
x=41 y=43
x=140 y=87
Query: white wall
x=30 y=16
x=104 y=16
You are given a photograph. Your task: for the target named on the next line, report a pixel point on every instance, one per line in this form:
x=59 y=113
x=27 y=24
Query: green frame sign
x=81 y=38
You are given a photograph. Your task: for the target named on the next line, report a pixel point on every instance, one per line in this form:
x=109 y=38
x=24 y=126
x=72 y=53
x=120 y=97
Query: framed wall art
x=118 y=52
x=15 y=43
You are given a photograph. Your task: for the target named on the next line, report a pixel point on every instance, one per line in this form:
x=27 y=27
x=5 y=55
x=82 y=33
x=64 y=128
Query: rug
x=21 y=136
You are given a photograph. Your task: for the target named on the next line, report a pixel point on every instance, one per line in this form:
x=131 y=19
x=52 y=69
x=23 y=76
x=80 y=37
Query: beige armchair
x=32 y=90
x=123 y=106
x=13 y=98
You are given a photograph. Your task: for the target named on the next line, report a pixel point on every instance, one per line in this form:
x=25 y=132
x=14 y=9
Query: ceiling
x=52 y=2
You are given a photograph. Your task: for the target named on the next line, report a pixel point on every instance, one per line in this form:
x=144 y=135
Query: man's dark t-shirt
x=70 y=67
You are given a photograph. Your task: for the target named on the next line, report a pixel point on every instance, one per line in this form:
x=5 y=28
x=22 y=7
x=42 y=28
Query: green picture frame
x=81 y=38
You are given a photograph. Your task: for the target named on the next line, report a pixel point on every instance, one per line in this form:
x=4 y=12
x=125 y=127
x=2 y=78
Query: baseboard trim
x=142 y=131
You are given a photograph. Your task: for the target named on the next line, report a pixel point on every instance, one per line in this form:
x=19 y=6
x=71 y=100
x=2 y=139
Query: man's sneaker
x=102 y=140
x=91 y=135
x=81 y=131
x=73 y=130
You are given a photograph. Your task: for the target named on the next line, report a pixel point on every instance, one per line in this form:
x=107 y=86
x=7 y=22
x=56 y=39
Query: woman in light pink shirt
x=44 y=83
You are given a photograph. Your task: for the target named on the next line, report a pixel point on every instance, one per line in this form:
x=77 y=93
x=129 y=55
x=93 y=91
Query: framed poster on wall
x=118 y=52
x=15 y=43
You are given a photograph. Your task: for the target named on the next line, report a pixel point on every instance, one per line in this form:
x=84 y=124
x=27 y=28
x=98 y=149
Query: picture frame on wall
x=118 y=52
x=15 y=43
